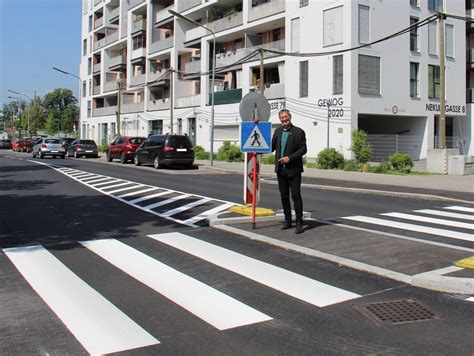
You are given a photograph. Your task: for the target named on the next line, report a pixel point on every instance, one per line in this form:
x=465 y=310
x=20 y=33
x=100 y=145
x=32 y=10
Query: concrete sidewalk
x=392 y=256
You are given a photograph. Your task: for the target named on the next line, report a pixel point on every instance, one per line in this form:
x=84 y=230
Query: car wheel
x=76 y=155
x=137 y=162
x=123 y=159
x=156 y=162
x=108 y=156
x=40 y=155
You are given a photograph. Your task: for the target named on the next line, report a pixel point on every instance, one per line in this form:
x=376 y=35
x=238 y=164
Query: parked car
x=16 y=144
x=22 y=145
x=31 y=142
x=79 y=148
x=50 y=146
x=161 y=150
x=123 y=148
x=66 y=141
x=5 y=144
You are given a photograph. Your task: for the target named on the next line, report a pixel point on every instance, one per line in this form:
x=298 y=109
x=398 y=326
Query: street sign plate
x=256 y=137
x=254 y=106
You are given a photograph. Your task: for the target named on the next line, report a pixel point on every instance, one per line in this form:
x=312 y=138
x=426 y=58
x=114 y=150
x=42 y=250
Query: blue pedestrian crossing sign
x=256 y=137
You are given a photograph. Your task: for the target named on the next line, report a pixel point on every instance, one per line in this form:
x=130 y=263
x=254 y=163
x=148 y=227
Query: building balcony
x=117 y=62
x=110 y=86
x=163 y=14
x=188 y=101
x=138 y=53
x=97 y=2
x=159 y=104
x=470 y=58
x=98 y=22
x=219 y=25
x=106 y=40
x=226 y=97
x=188 y=4
x=96 y=68
x=138 y=26
x=153 y=76
x=230 y=57
x=106 y=110
x=113 y=15
x=134 y=3
x=192 y=67
x=99 y=44
x=96 y=90
x=275 y=91
x=470 y=25
x=470 y=96
x=139 y=79
x=266 y=9
x=133 y=107
x=161 y=45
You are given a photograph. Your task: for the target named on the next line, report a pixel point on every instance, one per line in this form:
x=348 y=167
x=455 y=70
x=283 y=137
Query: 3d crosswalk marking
x=95 y=322
x=412 y=227
x=97 y=180
x=90 y=179
x=76 y=174
x=207 y=303
x=125 y=189
x=168 y=201
x=461 y=208
x=151 y=196
x=290 y=283
x=207 y=213
x=95 y=185
x=431 y=220
x=116 y=185
x=137 y=192
x=446 y=214
x=185 y=207
x=85 y=175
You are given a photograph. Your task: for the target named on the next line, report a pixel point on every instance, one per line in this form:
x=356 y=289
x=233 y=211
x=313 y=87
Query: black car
x=162 y=150
x=79 y=148
x=6 y=144
x=66 y=141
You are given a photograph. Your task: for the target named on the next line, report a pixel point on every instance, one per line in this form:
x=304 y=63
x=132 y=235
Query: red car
x=19 y=145
x=123 y=148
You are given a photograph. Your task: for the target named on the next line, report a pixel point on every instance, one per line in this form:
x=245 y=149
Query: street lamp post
x=27 y=109
x=78 y=93
x=187 y=19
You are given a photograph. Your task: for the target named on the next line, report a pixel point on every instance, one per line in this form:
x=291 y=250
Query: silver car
x=50 y=146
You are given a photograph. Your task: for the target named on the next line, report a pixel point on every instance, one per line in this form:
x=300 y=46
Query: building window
x=89 y=109
x=89 y=66
x=414 y=3
x=449 y=40
x=433 y=82
x=295 y=35
x=90 y=23
x=332 y=26
x=433 y=38
x=364 y=24
x=84 y=47
x=156 y=127
x=84 y=87
x=369 y=74
x=414 y=35
x=303 y=79
x=337 y=74
x=434 y=5
x=304 y=3
x=414 y=71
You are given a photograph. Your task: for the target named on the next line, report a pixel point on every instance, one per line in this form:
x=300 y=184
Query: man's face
x=285 y=120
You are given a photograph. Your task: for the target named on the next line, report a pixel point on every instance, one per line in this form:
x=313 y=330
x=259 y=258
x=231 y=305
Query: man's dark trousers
x=287 y=184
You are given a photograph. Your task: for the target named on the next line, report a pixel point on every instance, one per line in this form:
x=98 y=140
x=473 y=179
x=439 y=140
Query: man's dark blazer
x=295 y=149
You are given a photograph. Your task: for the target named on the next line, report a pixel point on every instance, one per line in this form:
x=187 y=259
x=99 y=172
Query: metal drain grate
x=398 y=312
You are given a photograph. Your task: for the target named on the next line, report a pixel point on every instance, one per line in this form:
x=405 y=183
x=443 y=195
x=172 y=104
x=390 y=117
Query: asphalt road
x=49 y=210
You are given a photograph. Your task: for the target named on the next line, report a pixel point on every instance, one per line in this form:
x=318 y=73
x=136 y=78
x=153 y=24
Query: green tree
x=60 y=102
x=37 y=116
x=69 y=118
x=361 y=148
x=51 y=124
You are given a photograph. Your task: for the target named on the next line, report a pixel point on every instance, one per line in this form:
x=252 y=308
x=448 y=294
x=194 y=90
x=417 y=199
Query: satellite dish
x=254 y=106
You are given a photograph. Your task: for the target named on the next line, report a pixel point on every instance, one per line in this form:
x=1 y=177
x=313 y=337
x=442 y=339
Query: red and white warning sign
x=252 y=167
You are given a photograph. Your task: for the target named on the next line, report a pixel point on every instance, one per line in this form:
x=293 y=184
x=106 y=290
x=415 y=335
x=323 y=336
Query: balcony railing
x=139 y=52
x=163 y=14
x=266 y=9
x=470 y=58
x=161 y=45
x=192 y=67
x=187 y=4
x=106 y=110
x=154 y=76
x=96 y=90
x=139 y=79
x=227 y=96
x=134 y=3
x=159 y=104
x=106 y=40
x=98 y=22
x=216 y=26
x=470 y=95
x=110 y=86
x=118 y=60
x=275 y=91
x=230 y=57
x=97 y=2
x=113 y=14
x=133 y=107
x=188 y=101
x=96 y=67
x=138 y=26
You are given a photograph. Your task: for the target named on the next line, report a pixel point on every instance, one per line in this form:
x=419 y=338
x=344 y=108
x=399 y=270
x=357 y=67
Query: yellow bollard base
x=247 y=210
x=465 y=263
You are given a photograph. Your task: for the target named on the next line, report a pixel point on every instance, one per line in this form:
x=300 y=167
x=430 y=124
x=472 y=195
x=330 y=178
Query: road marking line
x=76 y=174
x=151 y=196
x=185 y=207
x=207 y=213
x=164 y=202
x=412 y=227
x=96 y=323
x=431 y=220
x=96 y=180
x=126 y=188
x=461 y=208
x=290 y=283
x=470 y=299
x=84 y=175
x=117 y=185
x=95 y=185
x=137 y=192
x=207 y=303
x=445 y=214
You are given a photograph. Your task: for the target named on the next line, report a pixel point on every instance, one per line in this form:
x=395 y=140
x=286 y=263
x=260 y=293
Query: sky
x=36 y=35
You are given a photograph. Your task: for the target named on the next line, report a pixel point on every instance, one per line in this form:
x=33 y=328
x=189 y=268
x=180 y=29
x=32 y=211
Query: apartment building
x=137 y=57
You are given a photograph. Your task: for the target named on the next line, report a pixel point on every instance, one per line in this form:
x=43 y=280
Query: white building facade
x=390 y=89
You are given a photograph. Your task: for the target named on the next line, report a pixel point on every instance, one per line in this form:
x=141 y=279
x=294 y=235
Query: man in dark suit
x=289 y=142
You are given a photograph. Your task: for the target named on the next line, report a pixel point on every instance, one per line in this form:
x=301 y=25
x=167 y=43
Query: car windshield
x=51 y=140
x=179 y=141
x=136 y=140
x=87 y=142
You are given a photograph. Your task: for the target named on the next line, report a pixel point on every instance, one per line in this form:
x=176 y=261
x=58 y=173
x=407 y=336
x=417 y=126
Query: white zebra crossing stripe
x=116 y=185
x=95 y=322
x=164 y=202
x=209 y=304
x=151 y=196
x=89 y=182
x=137 y=192
x=124 y=189
x=185 y=207
x=461 y=208
x=83 y=175
x=412 y=227
x=431 y=220
x=207 y=213
x=446 y=214
x=470 y=299
x=90 y=179
x=95 y=185
x=290 y=283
